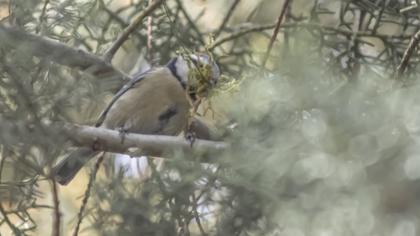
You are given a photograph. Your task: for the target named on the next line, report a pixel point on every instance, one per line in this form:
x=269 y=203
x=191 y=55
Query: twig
x=87 y=194
x=57 y=214
x=190 y=22
x=2 y=161
x=119 y=20
x=310 y=26
x=41 y=17
x=407 y=54
x=127 y=31
x=379 y=17
x=150 y=36
x=15 y=230
x=227 y=17
x=196 y=215
x=354 y=44
x=276 y=31
x=240 y=34
x=58 y=52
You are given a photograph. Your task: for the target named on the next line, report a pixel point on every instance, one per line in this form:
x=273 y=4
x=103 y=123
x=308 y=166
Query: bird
x=157 y=102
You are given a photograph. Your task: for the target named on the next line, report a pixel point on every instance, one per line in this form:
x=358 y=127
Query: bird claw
x=123 y=132
x=191 y=137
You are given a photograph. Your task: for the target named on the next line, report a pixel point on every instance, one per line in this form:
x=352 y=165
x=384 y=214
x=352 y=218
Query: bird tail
x=67 y=168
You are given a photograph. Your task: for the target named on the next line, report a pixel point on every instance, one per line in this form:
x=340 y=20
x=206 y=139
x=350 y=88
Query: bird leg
x=190 y=136
x=123 y=132
x=189 y=132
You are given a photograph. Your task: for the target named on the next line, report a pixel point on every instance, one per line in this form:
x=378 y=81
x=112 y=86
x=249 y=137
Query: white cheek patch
x=216 y=72
x=204 y=60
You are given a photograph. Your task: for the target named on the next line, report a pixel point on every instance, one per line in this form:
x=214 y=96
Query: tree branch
x=15 y=230
x=127 y=31
x=276 y=31
x=102 y=139
x=57 y=214
x=240 y=33
x=138 y=144
x=150 y=36
x=87 y=194
x=191 y=22
x=407 y=54
x=226 y=18
x=58 y=52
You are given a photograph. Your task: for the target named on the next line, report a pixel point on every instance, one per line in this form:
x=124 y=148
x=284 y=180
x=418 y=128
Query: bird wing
x=136 y=78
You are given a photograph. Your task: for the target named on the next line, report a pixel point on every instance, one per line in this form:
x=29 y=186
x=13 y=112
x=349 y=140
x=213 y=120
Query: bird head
x=197 y=72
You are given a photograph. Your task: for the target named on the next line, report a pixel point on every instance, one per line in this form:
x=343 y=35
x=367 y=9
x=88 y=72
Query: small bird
x=153 y=102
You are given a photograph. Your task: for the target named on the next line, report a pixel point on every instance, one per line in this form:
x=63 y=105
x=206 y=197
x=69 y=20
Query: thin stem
x=276 y=31
x=87 y=194
x=227 y=17
x=57 y=214
x=150 y=36
x=130 y=29
x=407 y=54
x=41 y=17
x=197 y=216
x=15 y=230
x=191 y=22
x=239 y=34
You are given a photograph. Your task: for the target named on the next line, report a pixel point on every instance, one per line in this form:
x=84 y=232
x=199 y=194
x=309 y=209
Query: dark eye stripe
x=195 y=61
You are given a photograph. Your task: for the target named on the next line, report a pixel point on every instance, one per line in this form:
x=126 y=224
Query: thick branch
x=58 y=52
x=127 y=31
x=138 y=144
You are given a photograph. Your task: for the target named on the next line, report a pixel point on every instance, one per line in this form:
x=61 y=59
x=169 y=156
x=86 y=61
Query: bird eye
x=199 y=61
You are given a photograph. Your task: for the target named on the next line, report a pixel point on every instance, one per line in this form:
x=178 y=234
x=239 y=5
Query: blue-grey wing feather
x=136 y=78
